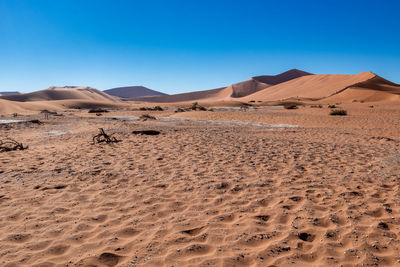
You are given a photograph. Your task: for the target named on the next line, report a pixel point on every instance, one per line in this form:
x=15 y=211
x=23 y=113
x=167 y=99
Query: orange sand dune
x=61 y=93
x=363 y=95
x=8 y=107
x=313 y=86
x=233 y=91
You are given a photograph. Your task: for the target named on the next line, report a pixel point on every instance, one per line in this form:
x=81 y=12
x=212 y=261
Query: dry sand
x=204 y=193
x=62 y=93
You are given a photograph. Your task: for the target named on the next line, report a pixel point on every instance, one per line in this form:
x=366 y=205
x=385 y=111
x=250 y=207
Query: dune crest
x=133 y=91
x=319 y=87
x=230 y=92
x=62 y=93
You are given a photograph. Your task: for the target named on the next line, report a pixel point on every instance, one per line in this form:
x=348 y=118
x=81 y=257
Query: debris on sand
x=9 y=144
x=98 y=110
x=35 y=121
x=195 y=106
x=156 y=108
x=146 y=117
x=147 y=132
x=177 y=110
x=103 y=137
x=45 y=111
x=290 y=106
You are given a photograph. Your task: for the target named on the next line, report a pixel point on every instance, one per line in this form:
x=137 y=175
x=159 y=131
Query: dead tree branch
x=103 y=137
x=9 y=144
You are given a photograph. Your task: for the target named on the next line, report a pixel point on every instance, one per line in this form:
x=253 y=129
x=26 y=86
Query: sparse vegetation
x=97 y=110
x=332 y=106
x=196 y=106
x=252 y=101
x=316 y=106
x=179 y=110
x=146 y=117
x=338 y=112
x=290 y=106
x=156 y=108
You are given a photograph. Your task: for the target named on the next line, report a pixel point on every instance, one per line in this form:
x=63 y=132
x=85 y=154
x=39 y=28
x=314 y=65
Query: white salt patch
x=55 y=133
x=131 y=118
x=10 y=121
x=245 y=123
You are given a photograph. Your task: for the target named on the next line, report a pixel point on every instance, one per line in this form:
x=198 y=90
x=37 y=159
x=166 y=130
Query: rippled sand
x=204 y=193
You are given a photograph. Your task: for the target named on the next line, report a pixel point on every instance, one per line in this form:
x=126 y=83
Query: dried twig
x=9 y=144
x=103 y=137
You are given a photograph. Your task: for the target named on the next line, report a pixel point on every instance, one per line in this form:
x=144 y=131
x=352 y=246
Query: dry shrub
x=338 y=112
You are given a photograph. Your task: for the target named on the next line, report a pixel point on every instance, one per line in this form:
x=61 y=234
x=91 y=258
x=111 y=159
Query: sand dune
x=9 y=107
x=359 y=94
x=133 y=92
x=62 y=93
x=311 y=87
x=281 y=78
x=230 y=92
x=184 y=97
x=10 y=93
x=295 y=85
x=325 y=88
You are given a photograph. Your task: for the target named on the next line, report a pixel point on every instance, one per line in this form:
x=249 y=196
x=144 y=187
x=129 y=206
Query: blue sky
x=179 y=46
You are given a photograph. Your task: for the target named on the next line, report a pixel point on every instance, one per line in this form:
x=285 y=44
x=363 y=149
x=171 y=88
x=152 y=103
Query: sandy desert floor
x=204 y=193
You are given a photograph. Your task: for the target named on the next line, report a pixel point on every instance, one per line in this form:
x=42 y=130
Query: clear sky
x=179 y=46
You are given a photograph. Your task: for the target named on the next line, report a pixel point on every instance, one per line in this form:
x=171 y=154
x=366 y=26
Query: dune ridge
x=62 y=93
x=324 y=86
x=133 y=91
x=293 y=85
x=233 y=91
x=9 y=93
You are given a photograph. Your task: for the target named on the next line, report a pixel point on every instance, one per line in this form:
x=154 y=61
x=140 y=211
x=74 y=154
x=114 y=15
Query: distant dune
x=184 y=97
x=293 y=85
x=281 y=78
x=10 y=93
x=237 y=90
x=133 y=91
x=62 y=93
